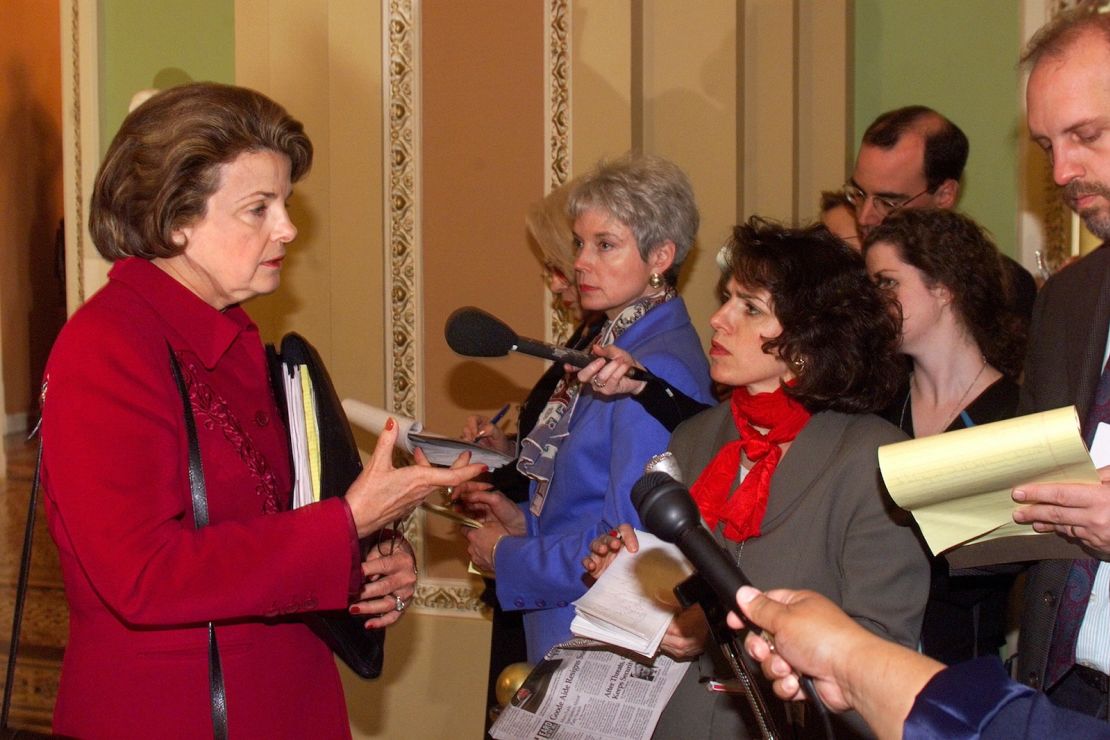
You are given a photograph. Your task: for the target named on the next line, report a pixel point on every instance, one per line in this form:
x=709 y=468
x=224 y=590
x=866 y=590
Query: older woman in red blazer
x=190 y=205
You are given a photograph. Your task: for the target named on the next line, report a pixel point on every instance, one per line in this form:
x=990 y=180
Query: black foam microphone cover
x=667 y=511
x=473 y=332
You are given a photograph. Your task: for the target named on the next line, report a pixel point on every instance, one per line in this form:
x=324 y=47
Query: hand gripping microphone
x=475 y=333
x=668 y=512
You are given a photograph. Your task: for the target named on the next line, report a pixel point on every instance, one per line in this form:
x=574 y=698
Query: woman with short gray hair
x=634 y=222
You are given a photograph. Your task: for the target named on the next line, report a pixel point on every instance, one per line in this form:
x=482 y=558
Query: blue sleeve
x=546 y=570
x=976 y=699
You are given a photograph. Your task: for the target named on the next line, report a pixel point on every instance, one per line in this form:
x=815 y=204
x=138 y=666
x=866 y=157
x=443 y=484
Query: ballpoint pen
x=493 y=422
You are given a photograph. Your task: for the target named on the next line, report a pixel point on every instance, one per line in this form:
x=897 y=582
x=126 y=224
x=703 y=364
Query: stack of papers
x=304 y=434
x=957 y=485
x=633 y=601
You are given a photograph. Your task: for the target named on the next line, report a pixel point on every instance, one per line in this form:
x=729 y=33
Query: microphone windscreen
x=664 y=462
x=474 y=333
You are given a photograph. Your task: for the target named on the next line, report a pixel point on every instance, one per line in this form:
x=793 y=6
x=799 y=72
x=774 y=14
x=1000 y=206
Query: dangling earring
x=799 y=365
x=656 y=280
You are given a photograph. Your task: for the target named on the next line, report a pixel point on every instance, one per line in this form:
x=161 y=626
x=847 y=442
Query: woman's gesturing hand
x=382 y=494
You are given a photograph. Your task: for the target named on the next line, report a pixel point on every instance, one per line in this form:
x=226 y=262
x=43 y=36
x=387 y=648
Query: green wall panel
x=959 y=57
x=160 y=43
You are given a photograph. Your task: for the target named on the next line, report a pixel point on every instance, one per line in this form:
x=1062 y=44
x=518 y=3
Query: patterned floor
x=45 y=619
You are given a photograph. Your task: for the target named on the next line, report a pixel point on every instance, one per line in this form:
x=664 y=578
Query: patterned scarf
x=539 y=448
x=743 y=511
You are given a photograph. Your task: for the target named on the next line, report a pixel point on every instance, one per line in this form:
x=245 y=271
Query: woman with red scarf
x=785 y=472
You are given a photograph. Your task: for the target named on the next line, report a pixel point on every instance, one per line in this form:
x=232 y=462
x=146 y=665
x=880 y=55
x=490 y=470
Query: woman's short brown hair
x=163 y=164
x=839 y=331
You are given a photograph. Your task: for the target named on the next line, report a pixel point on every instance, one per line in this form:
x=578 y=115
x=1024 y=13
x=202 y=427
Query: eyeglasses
x=883 y=206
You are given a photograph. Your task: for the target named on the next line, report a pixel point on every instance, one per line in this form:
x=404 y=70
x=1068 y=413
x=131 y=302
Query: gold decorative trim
x=402 y=206
x=557 y=84
x=80 y=145
x=1057 y=218
x=404 y=359
x=557 y=65
x=78 y=199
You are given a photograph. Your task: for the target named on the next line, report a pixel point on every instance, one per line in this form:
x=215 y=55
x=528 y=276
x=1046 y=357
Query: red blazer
x=140 y=579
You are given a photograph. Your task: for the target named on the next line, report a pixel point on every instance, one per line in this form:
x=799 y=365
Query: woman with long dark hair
x=966 y=348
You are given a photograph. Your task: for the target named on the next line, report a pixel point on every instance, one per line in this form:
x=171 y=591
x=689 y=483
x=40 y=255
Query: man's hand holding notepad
x=633 y=603
x=957 y=485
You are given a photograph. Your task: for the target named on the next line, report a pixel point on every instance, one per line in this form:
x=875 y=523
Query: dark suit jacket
x=1062 y=368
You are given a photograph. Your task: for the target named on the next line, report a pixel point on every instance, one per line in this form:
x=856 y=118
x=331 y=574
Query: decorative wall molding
x=403 y=294
x=80 y=145
x=401 y=67
x=557 y=119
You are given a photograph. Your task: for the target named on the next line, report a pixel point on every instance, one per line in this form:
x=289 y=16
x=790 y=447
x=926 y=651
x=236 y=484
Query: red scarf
x=743 y=511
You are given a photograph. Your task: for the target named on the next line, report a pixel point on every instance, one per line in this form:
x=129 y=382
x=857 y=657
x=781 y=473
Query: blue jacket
x=976 y=699
x=604 y=454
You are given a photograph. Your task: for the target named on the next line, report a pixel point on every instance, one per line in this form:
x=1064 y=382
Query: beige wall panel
x=293 y=39
x=433 y=685
x=601 y=81
x=356 y=281
x=824 y=102
x=483 y=163
x=769 y=127
x=690 y=116
x=322 y=60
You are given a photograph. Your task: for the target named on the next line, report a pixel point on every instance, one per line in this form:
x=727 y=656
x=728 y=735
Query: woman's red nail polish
x=612 y=533
x=389 y=424
x=352 y=609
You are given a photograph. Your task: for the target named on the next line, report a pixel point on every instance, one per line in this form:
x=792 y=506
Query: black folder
x=360 y=648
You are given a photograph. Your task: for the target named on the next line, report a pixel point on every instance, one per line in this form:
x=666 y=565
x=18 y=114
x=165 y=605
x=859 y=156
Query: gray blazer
x=1067 y=341
x=829 y=527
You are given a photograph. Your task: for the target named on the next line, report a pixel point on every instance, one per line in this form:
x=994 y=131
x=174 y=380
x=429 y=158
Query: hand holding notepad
x=957 y=485
x=633 y=603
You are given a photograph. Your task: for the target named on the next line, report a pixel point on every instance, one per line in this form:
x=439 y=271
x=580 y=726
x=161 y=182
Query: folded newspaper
x=633 y=601
x=590 y=693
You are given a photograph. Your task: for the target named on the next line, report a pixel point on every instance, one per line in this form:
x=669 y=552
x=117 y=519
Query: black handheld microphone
x=475 y=333
x=668 y=512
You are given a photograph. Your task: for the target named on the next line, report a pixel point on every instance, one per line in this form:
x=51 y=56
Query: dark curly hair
x=953 y=251
x=839 y=331
x=164 y=163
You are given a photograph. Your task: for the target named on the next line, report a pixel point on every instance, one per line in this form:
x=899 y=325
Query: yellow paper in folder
x=312 y=431
x=957 y=485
